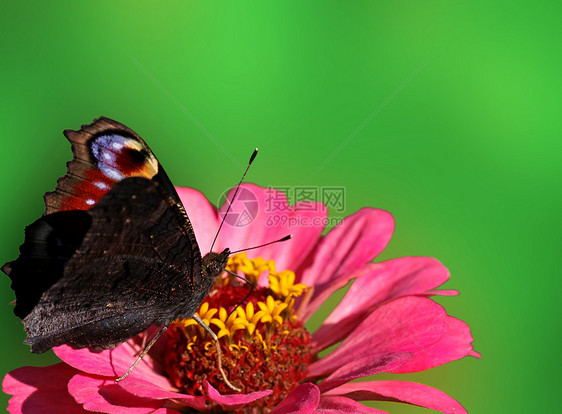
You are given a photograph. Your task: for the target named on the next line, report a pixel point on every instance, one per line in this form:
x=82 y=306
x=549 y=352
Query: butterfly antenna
x=219 y=353
x=252 y=158
x=143 y=353
x=282 y=239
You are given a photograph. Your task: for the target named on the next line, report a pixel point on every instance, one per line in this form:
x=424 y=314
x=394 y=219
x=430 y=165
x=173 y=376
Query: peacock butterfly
x=114 y=252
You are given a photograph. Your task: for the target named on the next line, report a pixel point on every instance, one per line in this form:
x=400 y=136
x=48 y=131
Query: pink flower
x=385 y=323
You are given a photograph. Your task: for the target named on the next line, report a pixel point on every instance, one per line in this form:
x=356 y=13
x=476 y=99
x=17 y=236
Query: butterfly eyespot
x=136 y=156
x=119 y=155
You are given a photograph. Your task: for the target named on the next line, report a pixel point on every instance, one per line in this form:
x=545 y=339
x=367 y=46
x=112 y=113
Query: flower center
x=264 y=346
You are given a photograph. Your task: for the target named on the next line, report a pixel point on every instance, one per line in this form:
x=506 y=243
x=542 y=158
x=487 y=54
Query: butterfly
x=114 y=251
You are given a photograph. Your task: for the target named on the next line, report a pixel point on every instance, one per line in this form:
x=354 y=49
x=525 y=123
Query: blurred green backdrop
x=445 y=113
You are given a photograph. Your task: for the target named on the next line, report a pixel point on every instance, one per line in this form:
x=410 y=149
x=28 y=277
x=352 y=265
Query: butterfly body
x=114 y=252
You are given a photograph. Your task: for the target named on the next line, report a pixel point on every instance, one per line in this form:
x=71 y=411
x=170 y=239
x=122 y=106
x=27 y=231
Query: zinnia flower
x=385 y=323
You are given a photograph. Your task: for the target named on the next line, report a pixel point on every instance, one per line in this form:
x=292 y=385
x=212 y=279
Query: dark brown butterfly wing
x=132 y=261
x=114 y=251
x=104 y=153
x=49 y=243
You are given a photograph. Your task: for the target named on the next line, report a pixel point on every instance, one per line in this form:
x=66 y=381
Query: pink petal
x=302 y=400
x=202 y=214
x=383 y=282
x=336 y=405
x=475 y=354
x=358 y=239
x=273 y=220
x=410 y=324
x=143 y=382
x=40 y=390
x=402 y=391
x=443 y=292
x=456 y=344
x=104 y=395
x=146 y=389
x=363 y=367
x=233 y=401
x=112 y=363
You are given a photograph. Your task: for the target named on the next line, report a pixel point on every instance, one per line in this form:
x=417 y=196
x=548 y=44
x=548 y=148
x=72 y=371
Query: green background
x=445 y=113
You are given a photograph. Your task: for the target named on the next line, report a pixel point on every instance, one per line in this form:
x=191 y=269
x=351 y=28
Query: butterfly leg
x=219 y=353
x=143 y=353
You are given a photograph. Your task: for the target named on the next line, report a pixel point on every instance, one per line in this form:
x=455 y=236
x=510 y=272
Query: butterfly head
x=213 y=265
